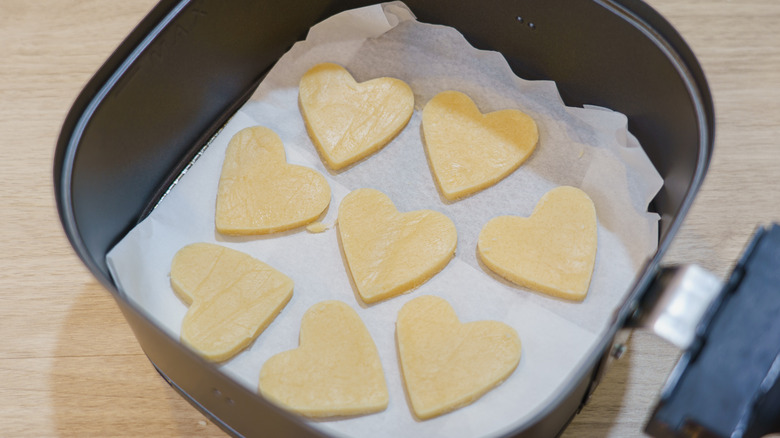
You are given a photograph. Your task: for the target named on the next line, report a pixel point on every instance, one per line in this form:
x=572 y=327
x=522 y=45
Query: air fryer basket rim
x=639 y=15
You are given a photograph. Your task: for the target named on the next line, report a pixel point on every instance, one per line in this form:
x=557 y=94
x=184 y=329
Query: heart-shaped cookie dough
x=389 y=252
x=232 y=296
x=334 y=372
x=469 y=151
x=260 y=193
x=553 y=251
x=347 y=120
x=446 y=364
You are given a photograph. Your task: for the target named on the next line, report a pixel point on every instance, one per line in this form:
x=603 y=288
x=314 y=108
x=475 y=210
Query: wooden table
x=69 y=364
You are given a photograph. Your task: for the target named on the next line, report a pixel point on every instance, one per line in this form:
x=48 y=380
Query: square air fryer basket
x=189 y=65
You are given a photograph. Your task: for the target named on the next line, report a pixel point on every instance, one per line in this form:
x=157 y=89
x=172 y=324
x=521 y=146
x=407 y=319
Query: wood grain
x=69 y=365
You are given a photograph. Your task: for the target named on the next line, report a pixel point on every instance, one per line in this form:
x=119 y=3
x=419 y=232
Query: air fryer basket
x=189 y=65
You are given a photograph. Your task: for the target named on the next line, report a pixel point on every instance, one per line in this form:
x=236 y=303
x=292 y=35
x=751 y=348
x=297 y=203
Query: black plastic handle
x=727 y=384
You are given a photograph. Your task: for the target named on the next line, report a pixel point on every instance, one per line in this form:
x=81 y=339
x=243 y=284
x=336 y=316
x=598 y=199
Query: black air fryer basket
x=189 y=65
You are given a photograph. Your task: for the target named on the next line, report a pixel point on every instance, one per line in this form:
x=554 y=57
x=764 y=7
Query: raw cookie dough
x=389 y=252
x=347 y=120
x=232 y=297
x=553 y=251
x=260 y=193
x=446 y=364
x=336 y=370
x=316 y=227
x=469 y=151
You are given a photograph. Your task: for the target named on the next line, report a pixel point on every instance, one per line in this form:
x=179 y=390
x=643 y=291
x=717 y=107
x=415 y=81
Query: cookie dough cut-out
x=389 y=252
x=469 y=151
x=347 y=120
x=232 y=298
x=553 y=251
x=259 y=193
x=447 y=364
x=335 y=371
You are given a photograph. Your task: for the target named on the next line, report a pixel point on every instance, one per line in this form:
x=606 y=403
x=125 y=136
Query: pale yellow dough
x=446 y=364
x=389 y=252
x=334 y=372
x=553 y=251
x=347 y=120
x=232 y=297
x=316 y=227
x=469 y=151
x=260 y=193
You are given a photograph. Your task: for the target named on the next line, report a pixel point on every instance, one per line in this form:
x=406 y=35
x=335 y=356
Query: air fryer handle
x=727 y=382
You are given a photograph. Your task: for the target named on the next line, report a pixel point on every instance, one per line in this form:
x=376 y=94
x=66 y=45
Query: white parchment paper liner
x=587 y=148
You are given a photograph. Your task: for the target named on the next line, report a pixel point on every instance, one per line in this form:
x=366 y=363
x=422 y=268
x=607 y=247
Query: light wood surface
x=69 y=364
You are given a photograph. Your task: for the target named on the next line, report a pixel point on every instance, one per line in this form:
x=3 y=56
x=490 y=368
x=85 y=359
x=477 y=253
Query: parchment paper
x=588 y=148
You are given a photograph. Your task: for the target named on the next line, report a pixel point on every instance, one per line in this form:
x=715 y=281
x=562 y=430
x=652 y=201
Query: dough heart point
x=469 y=151
x=389 y=252
x=232 y=297
x=348 y=121
x=447 y=364
x=335 y=371
x=260 y=193
x=553 y=251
